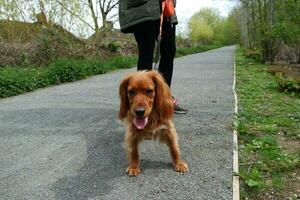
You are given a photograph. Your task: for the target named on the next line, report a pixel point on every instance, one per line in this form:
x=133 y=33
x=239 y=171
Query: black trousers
x=146 y=34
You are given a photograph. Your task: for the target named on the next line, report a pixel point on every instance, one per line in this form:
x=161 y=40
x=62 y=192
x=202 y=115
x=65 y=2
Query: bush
x=121 y=62
x=287 y=77
x=64 y=71
x=254 y=54
x=15 y=81
x=288 y=84
x=196 y=49
x=113 y=47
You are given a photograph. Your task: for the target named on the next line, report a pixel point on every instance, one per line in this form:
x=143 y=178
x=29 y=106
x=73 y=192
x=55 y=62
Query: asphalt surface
x=65 y=142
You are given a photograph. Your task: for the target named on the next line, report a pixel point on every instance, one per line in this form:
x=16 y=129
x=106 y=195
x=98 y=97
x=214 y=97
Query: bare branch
x=111 y=17
x=24 y=16
x=113 y=6
x=80 y=18
x=93 y=14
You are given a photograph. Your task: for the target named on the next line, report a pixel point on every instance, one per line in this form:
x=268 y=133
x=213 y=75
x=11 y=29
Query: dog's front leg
x=172 y=142
x=131 y=145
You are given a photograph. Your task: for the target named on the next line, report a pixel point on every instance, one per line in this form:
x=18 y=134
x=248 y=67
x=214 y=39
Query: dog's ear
x=163 y=98
x=124 y=101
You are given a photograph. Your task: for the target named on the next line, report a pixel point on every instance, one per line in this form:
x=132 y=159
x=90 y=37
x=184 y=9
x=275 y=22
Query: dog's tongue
x=140 y=123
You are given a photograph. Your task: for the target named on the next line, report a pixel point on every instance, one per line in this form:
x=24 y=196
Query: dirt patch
x=292 y=180
x=35 y=44
x=292 y=70
x=291 y=191
x=288 y=145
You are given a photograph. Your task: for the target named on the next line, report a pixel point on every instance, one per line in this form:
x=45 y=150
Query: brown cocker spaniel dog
x=146 y=107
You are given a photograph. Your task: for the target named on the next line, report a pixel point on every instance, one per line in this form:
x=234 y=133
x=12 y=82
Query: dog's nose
x=140 y=111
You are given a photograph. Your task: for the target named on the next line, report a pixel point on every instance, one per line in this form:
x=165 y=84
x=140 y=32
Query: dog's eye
x=131 y=93
x=149 y=92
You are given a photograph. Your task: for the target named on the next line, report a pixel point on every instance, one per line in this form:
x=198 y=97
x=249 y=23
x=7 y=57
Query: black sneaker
x=178 y=109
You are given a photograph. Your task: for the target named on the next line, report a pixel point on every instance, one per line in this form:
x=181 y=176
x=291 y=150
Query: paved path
x=65 y=142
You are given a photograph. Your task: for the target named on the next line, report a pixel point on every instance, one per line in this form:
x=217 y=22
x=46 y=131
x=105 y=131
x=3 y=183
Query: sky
x=186 y=8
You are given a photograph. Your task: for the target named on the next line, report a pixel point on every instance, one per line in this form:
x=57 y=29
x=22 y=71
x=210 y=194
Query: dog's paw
x=133 y=171
x=181 y=167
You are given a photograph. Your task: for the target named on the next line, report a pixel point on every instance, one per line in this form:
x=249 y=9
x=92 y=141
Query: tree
x=202 y=25
x=106 y=6
x=10 y=10
x=232 y=32
x=270 y=23
x=208 y=15
x=200 y=32
x=289 y=26
x=94 y=16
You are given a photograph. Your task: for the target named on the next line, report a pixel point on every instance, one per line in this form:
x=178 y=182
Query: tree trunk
x=104 y=19
x=93 y=15
x=106 y=7
x=298 y=61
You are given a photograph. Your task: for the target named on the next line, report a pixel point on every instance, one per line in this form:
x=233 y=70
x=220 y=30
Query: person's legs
x=167 y=51
x=145 y=35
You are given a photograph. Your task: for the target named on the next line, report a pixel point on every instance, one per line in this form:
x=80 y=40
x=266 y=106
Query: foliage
x=288 y=84
x=290 y=22
x=207 y=26
x=269 y=24
x=113 y=47
x=202 y=24
x=200 y=32
x=196 y=49
x=14 y=81
x=208 y=15
x=287 y=78
x=254 y=53
x=182 y=42
x=231 y=29
x=265 y=113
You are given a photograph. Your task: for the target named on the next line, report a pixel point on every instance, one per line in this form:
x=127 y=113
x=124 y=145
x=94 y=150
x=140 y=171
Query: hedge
x=15 y=81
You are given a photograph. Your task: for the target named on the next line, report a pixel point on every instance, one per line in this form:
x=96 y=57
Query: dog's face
x=143 y=93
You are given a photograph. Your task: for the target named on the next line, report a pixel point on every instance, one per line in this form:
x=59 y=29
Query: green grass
x=264 y=113
x=196 y=49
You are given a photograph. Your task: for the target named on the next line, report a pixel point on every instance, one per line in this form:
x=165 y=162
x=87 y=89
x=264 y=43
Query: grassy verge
x=15 y=81
x=269 y=133
x=196 y=49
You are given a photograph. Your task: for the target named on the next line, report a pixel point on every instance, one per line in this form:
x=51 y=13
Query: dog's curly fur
x=146 y=107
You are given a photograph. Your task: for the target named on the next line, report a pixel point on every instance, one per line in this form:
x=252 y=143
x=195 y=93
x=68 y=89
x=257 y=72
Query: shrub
x=15 y=81
x=113 y=47
x=254 y=53
x=196 y=49
x=287 y=78
x=64 y=71
x=288 y=84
